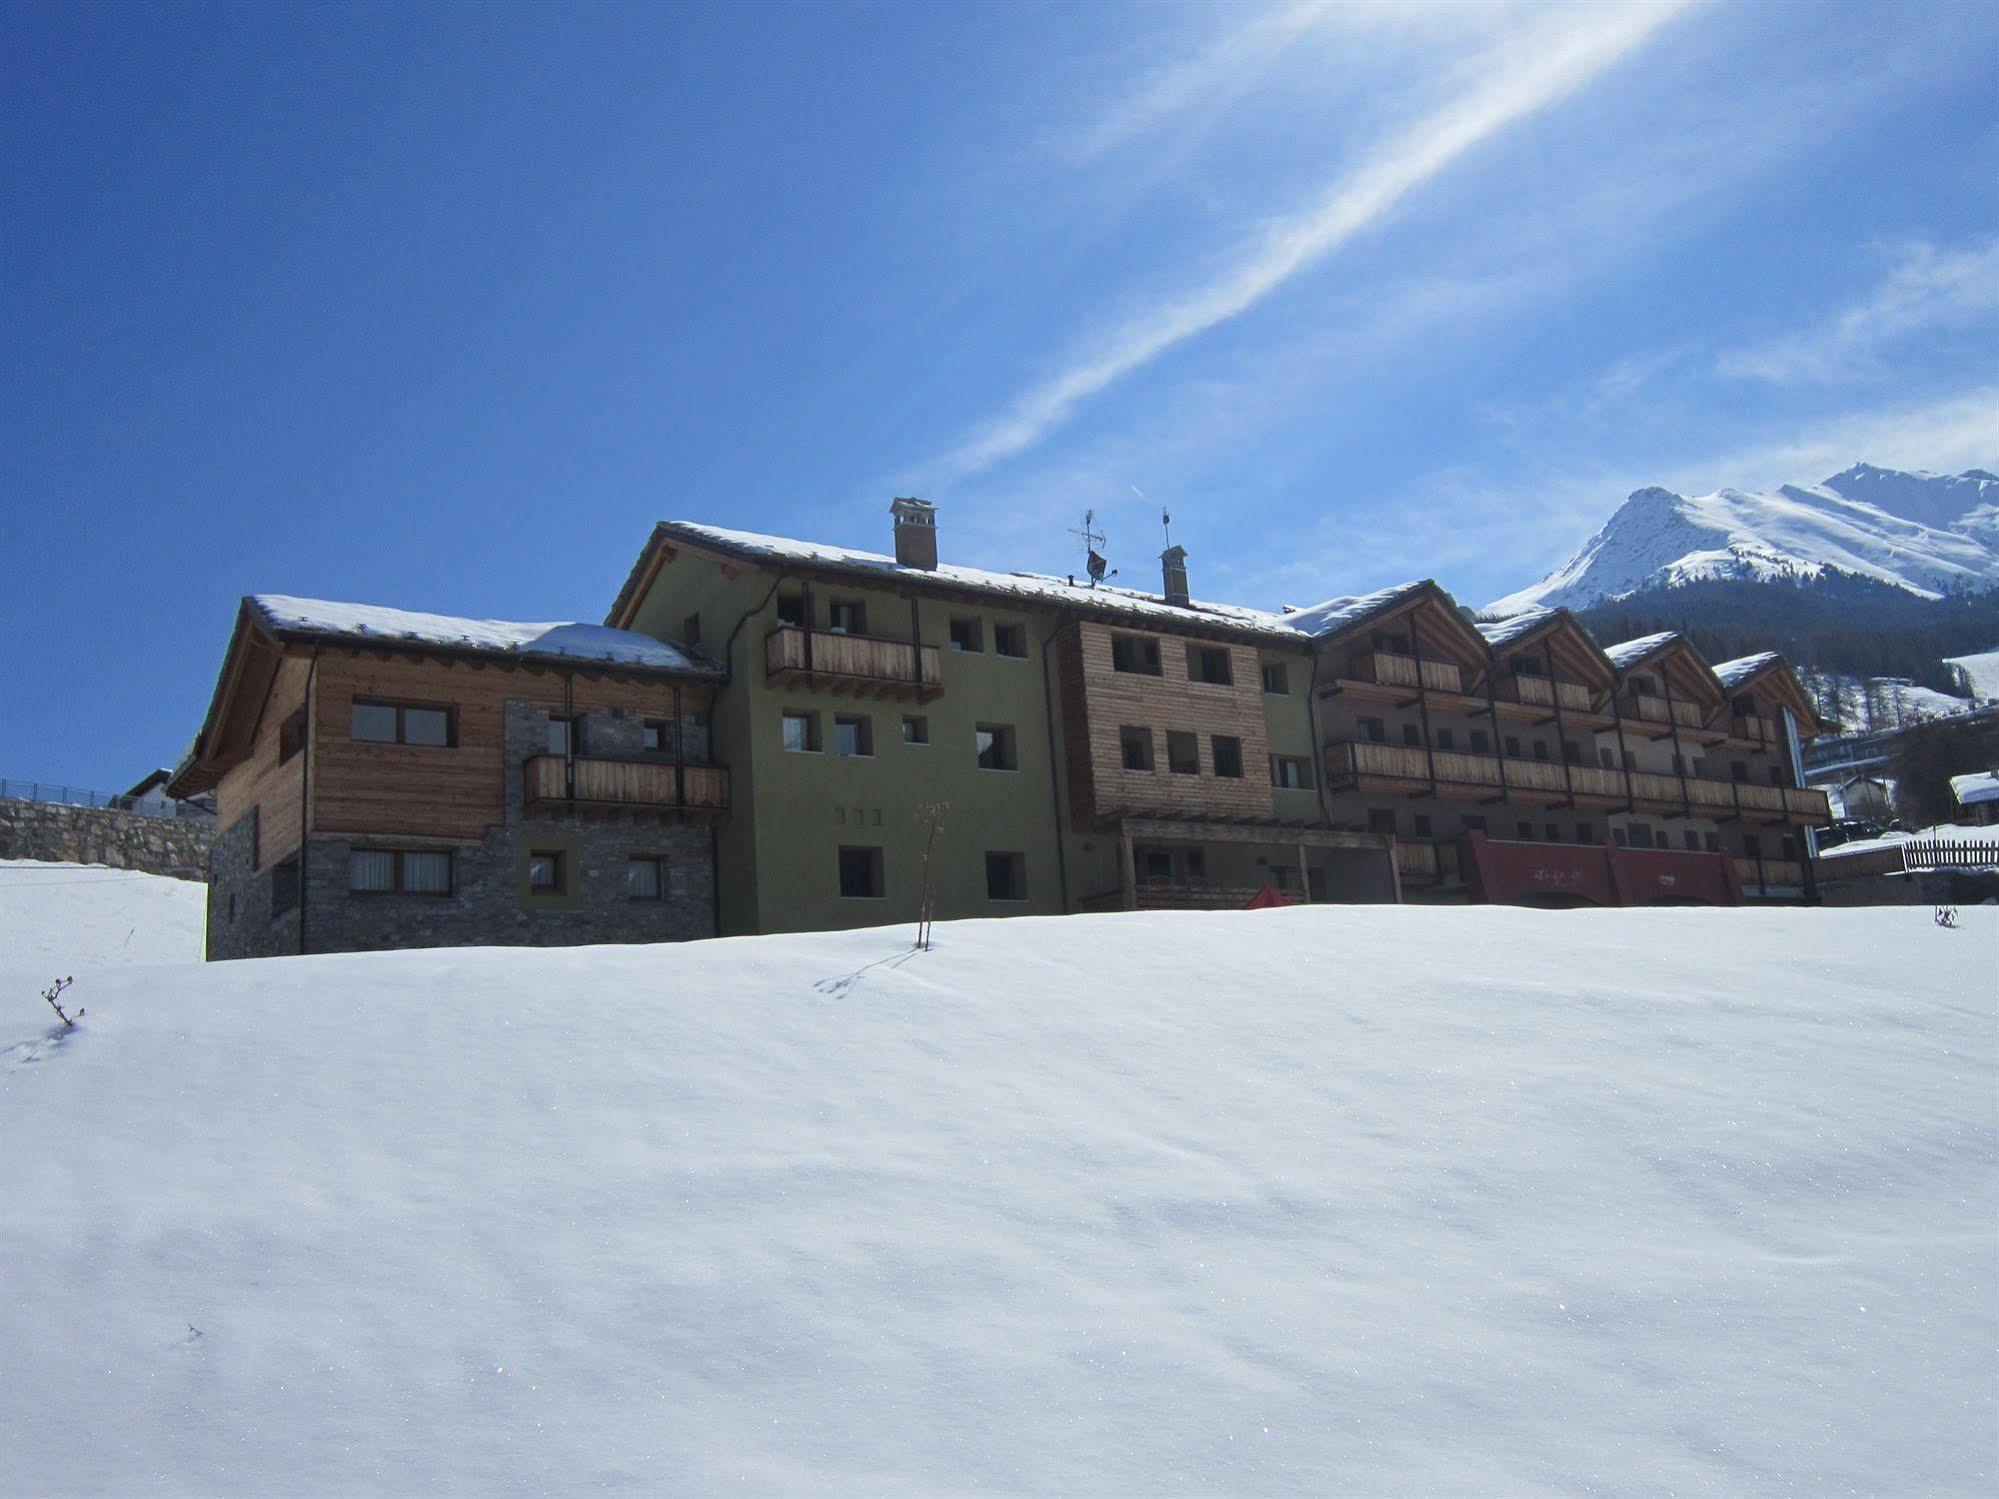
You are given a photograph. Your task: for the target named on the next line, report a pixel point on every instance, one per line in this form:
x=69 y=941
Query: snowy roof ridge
x=1742 y=668
x=1627 y=653
x=1975 y=786
x=567 y=640
x=1503 y=632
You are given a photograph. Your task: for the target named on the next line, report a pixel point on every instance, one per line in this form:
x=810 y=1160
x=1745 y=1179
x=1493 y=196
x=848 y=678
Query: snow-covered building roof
x=1334 y=615
x=1628 y=653
x=1500 y=633
x=1734 y=673
x=567 y=640
x=1978 y=786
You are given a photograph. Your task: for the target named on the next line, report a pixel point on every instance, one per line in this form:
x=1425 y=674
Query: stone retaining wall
x=100 y=835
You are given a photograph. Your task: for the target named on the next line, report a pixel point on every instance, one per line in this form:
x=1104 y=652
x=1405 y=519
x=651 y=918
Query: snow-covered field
x=1983 y=670
x=1333 y=1200
x=58 y=919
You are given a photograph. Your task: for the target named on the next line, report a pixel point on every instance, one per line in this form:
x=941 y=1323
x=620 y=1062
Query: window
x=1276 y=679
x=291 y=736
x=548 y=872
x=1227 y=751
x=1010 y=640
x=1572 y=752
x=1183 y=753
x=1380 y=822
x=1585 y=832
x=1679 y=765
x=1422 y=822
x=1692 y=839
x=1512 y=747
x=1623 y=838
x=1540 y=749
x=1285 y=878
x=801 y=733
x=1291 y=772
x=653 y=736
x=284 y=887
x=915 y=729
x=996 y=750
x=1776 y=775
x=1444 y=739
x=847 y=617
x=564 y=736
x=1481 y=742
x=1374 y=731
x=645 y=877
x=1526 y=832
x=1135 y=744
x=1607 y=756
x=966 y=635
x=791 y=609
x=400 y=723
x=1641 y=835
x=1474 y=823
x=1411 y=735
x=1135 y=653
x=1738 y=770
x=1209 y=663
x=1752 y=845
x=1713 y=841
x=387 y=871
x=1554 y=833
x=1644 y=686
x=690 y=629
x=1006 y=877
x=861 y=874
x=853 y=735
x=1790 y=846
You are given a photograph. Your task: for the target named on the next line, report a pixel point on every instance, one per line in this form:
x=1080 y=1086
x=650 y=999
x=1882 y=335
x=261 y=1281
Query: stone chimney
x=915 y=533
x=1173 y=563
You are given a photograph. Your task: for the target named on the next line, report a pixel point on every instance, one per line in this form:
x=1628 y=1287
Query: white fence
x=151 y=805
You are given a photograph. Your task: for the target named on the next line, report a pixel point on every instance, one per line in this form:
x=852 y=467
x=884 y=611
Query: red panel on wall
x=1510 y=873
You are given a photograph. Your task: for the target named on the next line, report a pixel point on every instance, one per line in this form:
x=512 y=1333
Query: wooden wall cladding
x=264 y=781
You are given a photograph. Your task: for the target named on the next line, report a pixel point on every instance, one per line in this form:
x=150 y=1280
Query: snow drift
x=1279 y=1202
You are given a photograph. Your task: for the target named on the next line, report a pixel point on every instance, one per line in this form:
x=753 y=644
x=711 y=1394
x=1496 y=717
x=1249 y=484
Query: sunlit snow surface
x=1334 y=1200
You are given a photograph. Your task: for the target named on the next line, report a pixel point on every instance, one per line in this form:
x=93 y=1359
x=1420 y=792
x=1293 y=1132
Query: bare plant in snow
x=53 y=994
x=1947 y=916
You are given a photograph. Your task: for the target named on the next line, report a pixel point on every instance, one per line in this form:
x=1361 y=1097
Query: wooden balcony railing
x=1759 y=874
x=1662 y=710
x=1541 y=692
x=1808 y=803
x=1762 y=730
x=1422 y=862
x=627 y=785
x=861 y=665
x=1593 y=780
x=1390 y=669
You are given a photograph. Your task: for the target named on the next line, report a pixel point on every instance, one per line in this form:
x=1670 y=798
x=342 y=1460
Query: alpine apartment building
x=755 y=739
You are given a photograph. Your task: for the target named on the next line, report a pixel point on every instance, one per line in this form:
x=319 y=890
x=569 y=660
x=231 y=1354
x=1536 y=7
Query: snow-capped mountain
x=1929 y=533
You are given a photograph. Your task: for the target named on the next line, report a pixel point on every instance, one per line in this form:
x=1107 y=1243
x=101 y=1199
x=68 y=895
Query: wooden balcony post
x=1127 y=867
x=1623 y=754
x=1304 y=877
x=679 y=752
x=1679 y=755
x=1562 y=743
x=1423 y=700
x=1498 y=742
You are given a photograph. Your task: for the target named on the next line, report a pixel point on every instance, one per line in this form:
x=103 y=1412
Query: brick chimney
x=915 y=533
x=1173 y=563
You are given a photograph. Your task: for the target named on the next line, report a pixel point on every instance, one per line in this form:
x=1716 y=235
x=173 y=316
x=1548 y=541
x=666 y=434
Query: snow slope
x=74 y=919
x=1983 y=669
x=1924 y=532
x=1283 y=1202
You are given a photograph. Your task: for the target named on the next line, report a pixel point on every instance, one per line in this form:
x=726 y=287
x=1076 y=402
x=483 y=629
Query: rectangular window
x=284 y=887
x=1713 y=841
x=1010 y=640
x=1380 y=822
x=1135 y=744
x=853 y=735
x=1679 y=765
x=1585 y=832
x=966 y=635
x=400 y=723
x=1444 y=739
x=1512 y=747
x=548 y=872
x=1421 y=822
x=385 y=871
x=1291 y=772
x=291 y=736
x=1135 y=653
x=645 y=877
x=1776 y=775
x=1752 y=845
x=1540 y=749
x=1572 y=752
x=915 y=729
x=801 y=733
x=1481 y=742
x=1183 y=753
x=1006 y=876
x=861 y=874
x=1641 y=835
x=1474 y=823
x=1622 y=838
x=1374 y=731
x=995 y=745
x=1209 y=663
x=690 y=629
x=847 y=617
x=1738 y=770
x=1607 y=756
x=563 y=736
x=791 y=609
x=1526 y=832
x=1228 y=756
x=1411 y=735
x=1276 y=679
x=1554 y=833
x=1692 y=840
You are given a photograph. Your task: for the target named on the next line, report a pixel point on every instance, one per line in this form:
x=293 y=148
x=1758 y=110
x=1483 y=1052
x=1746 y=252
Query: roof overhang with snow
x=1674 y=658
x=1562 y=635
x=1767 y=674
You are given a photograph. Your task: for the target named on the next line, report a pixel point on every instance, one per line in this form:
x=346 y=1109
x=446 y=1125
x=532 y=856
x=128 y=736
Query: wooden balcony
x=1195 y=895
x=1641 y=709
x=1542 y=692
x=1427 y=862
x=1770 y=874
x=851 y=665
x=639 y=787
x=1761 y=731
x=1807 y=804
x=1391 y=670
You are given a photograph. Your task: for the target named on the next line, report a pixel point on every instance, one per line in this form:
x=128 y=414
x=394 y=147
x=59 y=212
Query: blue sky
x=442 y=306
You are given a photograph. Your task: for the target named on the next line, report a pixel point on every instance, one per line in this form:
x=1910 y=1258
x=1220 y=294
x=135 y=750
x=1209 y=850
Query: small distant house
x=1864 y=798
x=387 y=779
x=1977 y=797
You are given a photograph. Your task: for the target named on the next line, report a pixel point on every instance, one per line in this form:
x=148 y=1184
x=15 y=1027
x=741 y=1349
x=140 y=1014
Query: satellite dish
x=1097 y=564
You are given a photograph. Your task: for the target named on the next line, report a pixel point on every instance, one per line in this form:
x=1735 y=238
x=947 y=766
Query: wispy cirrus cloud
x=1928 y=288
x=1526 y=74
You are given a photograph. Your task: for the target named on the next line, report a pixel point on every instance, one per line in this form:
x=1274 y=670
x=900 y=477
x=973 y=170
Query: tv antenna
x=1094 y=542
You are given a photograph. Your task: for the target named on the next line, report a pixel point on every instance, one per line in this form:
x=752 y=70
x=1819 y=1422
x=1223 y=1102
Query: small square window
x=1692 y=839
x=1374 y=731
x=563 y=737
x=1481 y=742
x=1585 y=832
x=431 y=726
x=848 y=617
x=291 y=736
x=1276 y=679
x=791 y=609
x=426 y=872
x=853 y=736
x=371 y=871
x=1540 y=749
x=1006 y=877
x=1137 y=654
x=1412 y=735
x=547 y=872
x=1291 y=772
x=996 y=747
x=1135 y=744
x=1526 y=831
x=915 y=729
x=1183 y=753
x=1444 y=739
x=1607 y=756
x=1379 y=821
x=966 y=635
x=1207 y=663
x=1228 y=756
x=645 y=877
x=1422 y=823
x=861 y=874
x=1010 y=640
x=1512 y=748
x=1554 y=833
x=374 y=723
x=801 y=733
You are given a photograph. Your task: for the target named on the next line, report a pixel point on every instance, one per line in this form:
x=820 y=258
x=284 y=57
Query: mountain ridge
x=1930 y=534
